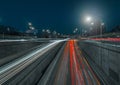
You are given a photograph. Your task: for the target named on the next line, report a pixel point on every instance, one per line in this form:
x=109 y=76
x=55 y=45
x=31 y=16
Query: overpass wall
x=106 y=56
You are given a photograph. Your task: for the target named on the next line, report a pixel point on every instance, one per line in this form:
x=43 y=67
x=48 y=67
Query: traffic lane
x=81 y=73
x=89 y=75
x=32 y=73
x=62 y=76
x=71 y=69
x=16 y=66
x=75 y=70
x=50 y=75
x=13 y=50
x=79 y=70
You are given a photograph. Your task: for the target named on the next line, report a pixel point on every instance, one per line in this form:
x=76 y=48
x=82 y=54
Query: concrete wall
x=107 y=56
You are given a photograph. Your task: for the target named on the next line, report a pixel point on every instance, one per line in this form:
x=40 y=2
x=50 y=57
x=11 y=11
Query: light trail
x=76 y=72
x=17 y=40
x=81 y=72
x=9 y=70
x=69 y=67
x=91 y=78
x=107 y=39
x=62 y=71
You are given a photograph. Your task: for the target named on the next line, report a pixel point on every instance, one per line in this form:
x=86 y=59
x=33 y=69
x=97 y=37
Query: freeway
x=13 y=49
x=71 y=68
x=11 y=69
x=57 y=62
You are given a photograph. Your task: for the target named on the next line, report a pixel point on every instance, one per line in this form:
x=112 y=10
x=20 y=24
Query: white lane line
x=12 y=40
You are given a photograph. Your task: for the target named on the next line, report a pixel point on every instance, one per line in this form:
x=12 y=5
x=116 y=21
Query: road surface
x=58 y=62
x=71 y=69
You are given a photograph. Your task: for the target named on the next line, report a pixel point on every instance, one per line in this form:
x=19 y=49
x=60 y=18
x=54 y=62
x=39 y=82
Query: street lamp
x=58 y=34
x=32 y=28
x=43 y=30
x=92 y=23
x=101 y=27
x=29 y=23
x=74 y=31
x=102 y=24
x=48 y=31
x=88 y=19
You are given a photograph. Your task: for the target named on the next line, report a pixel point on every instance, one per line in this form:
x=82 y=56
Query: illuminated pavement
x=81 y=72
x=11 y=69
x=58 y=62
x=72 y=69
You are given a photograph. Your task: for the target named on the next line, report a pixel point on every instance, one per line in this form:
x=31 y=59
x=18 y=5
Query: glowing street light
x=43 y=30
x=88 y=19
x=102 y=24
x=58 y=34
x=92 y=23
x=48 y=31
x=74 y=31
x=101 y=27
x=54 y=32
x=32 y=28
x=29 y=23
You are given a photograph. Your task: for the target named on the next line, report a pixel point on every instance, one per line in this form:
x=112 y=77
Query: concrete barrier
x=106 y=56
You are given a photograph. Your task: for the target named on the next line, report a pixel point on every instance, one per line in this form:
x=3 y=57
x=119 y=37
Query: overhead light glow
x=88 y=18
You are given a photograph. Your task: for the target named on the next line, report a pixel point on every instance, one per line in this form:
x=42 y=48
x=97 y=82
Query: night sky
x=60 y=15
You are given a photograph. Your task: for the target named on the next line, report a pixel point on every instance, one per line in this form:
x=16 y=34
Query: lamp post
x=89 y=21
x=32 y=28
x=101 y=28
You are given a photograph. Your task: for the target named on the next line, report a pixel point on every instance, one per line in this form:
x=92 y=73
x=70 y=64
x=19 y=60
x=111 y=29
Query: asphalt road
x=54 y=63
x=70 y=68
x=24 y=64
x=15 y=49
